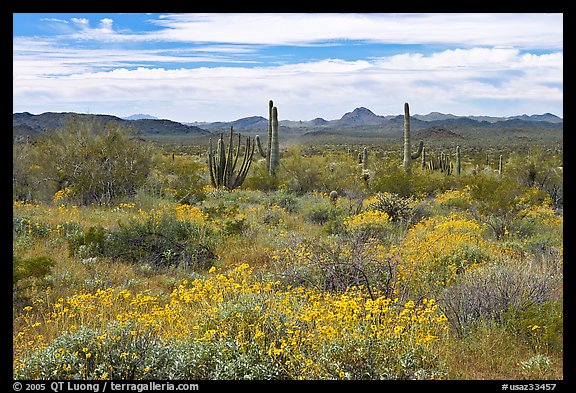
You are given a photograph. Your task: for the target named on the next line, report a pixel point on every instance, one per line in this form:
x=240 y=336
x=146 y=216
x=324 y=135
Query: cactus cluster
x=272 y=155
x=363 y=160
x=443 y=163
x=222 y=165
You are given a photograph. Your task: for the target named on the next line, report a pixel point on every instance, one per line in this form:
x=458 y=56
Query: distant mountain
x=432 y=116
x=360 y=117
x=361 y=121
x=549 y=117
x=26 y=124
x=140 y=116
x=436 y=132
x=318 y=122
x=252 y=122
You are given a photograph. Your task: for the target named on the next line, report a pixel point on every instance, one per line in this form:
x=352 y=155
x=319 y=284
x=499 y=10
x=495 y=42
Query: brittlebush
x=300 y=333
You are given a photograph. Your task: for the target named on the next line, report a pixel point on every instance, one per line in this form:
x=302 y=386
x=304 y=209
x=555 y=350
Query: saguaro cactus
x=423 y=158
x=222 y=166
x=457 y=160
x=408 y=155
x=272 y=155
x=500 y=165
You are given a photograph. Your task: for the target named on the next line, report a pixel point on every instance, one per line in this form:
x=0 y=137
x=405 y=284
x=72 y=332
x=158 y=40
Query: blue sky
x=221 y=67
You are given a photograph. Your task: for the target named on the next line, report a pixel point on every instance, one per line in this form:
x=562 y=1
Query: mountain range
x=359 y=120
x=364 y=117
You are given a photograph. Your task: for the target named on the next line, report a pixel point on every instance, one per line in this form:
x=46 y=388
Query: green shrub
x=285 y=199
x=88 y=243
x=258 y=178
x=180 y=179
x=93 y=162
x=36 y=267
x=162 y=241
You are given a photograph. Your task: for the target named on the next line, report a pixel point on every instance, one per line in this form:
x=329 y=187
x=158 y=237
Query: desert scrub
x=161 y=239
x=502 y=294
x=231 y=318
x=436 y=250
x=396 y=207
x=335 y=263
x=175 y=236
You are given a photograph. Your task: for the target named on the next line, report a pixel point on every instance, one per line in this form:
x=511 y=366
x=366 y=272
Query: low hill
x=26 y=124
x=435 y=133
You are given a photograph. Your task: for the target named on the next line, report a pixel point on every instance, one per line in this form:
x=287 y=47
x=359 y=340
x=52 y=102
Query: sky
x=223 y=67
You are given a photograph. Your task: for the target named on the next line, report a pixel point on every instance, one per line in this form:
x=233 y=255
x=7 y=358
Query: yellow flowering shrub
x=461 y=199
x=367 y=221
x=62 y=195
x=305 y=333
x=437 y=249
x=190 y=213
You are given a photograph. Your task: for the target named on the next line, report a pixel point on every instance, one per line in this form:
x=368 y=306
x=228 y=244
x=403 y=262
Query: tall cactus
x=408 y=155
x=458 y=161
x=272 y=155
x=222 y=165
x=500 y=165
x=365 y=175
x=423 y=158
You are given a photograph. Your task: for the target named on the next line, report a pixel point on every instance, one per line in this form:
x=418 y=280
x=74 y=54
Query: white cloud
x=326 y=88
x=489 y=61
x=518 y=30
x=514 y=30
x=81 y=22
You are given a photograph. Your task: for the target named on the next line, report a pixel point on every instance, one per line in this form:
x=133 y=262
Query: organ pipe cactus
x=272 y=155
x=408 y=155
x=222 y=165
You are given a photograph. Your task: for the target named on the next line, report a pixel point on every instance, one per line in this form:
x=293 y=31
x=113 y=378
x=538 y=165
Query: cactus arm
x=221 y=164
x=418 y=152
x=237 y=153
x=228 y=170
x=211 y=164
x=260 y=150
x=246 y=162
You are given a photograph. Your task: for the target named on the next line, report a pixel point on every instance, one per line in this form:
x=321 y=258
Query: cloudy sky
x=222 y=67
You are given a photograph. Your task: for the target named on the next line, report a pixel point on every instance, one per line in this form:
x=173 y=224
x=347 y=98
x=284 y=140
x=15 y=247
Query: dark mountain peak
x=249 y=122
x=361 y=117
x=361 y=111
x=318 y=121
